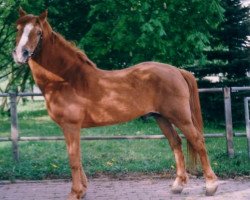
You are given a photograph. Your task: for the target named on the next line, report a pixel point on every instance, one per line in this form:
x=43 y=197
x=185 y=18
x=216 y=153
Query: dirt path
x=111 y=189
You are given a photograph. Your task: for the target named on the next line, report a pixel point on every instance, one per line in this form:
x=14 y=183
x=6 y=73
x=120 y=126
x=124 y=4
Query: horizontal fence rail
x=229 y=134
x=120 y=137
x=238 y=89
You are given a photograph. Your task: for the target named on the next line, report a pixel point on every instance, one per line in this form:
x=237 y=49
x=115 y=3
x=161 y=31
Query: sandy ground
x=145 y=188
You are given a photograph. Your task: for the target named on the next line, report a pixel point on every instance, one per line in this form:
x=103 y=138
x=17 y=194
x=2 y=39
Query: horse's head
x=29 y=36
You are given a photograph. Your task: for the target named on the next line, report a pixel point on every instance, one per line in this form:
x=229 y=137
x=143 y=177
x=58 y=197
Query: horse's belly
x=101 y=116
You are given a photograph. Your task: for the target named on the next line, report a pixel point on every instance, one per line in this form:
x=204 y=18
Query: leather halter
x=38 y=47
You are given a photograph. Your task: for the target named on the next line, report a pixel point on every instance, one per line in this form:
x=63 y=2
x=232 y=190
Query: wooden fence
x=15 y=138
x=246 y=105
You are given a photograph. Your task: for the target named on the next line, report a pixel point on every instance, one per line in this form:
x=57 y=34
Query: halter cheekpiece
x=38 y=47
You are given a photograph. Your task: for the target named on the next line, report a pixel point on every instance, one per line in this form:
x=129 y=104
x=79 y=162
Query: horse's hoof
x=211 y=188
x=177 y=189
x=73 y=196
x=84 y=195
x=177 y=186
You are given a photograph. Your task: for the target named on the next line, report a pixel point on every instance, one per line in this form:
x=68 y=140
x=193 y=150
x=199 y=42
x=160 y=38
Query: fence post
x=14 y=126
x=246 y=99
x=229 y=121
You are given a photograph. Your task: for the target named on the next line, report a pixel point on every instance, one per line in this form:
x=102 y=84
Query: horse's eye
x=39 y=32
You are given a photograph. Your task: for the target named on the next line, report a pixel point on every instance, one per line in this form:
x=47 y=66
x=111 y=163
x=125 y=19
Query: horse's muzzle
x=21 y=57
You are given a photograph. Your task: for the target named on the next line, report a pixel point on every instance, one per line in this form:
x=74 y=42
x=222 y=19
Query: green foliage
x=129 y=32
x=15 y=76
x=116 y=34
x=60 y=12
x=228 y=56
x=6 y=36
x=229 y=52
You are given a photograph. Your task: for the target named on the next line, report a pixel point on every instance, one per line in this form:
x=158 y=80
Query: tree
x=6 y=38
x=229 y=52
x=117 y=33
x=19 y=77
x=228 y=57
x=123 y=33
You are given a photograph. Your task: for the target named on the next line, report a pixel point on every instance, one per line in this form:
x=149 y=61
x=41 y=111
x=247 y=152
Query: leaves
x=119 y=33
x=171 y=32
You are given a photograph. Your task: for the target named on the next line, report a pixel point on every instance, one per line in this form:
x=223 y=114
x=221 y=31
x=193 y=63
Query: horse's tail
x=196 y=116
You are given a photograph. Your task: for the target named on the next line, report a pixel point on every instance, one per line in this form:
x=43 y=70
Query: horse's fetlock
x=211 y=176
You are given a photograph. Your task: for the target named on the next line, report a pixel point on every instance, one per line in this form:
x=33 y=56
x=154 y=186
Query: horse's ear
x=22 y=12
x=43 y=15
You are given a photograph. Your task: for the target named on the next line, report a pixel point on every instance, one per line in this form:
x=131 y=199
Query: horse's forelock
x=26 y=19
x=30 y=19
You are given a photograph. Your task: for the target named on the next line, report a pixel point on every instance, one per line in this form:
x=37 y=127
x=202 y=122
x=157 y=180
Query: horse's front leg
x=79 y=180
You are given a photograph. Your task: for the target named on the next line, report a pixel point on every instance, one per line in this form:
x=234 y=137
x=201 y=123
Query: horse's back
x=166 y=77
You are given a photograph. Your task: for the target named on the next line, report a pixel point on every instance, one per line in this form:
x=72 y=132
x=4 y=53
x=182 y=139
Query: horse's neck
x=60 y=63
x=42 y=76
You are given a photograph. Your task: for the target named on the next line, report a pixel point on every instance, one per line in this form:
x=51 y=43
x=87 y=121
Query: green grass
x=43 y=160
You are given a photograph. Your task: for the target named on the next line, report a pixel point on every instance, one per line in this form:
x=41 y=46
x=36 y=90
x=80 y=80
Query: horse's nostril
x=25 y=53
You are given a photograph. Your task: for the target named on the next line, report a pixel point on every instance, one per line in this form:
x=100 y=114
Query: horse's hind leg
x=197 y=141
x=175 y=143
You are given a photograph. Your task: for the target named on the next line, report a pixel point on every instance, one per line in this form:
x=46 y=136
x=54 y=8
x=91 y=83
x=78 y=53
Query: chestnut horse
x=79 y=95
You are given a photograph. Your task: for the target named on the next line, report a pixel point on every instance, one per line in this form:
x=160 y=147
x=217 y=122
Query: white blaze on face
x=23 y=41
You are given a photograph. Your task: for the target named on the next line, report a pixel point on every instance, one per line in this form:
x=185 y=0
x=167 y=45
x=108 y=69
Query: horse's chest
x=63 y=110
